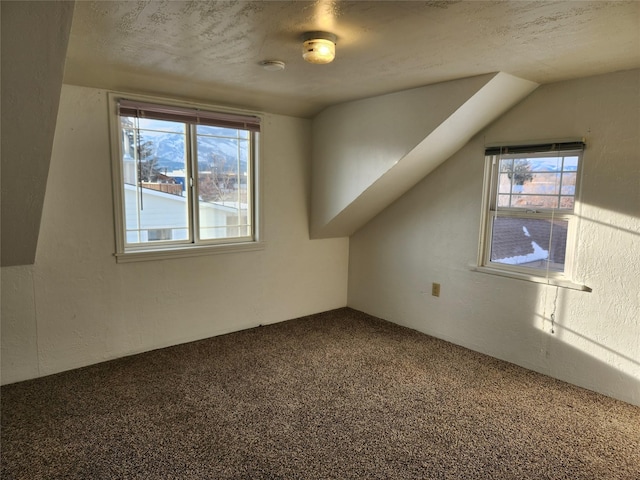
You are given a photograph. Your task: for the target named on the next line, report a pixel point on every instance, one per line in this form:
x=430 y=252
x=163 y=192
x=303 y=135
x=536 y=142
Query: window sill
x=188 y=251
x=558 y=282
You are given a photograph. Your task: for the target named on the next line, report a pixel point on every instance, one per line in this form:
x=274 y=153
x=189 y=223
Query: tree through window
x=185 y=176
x=531 y=195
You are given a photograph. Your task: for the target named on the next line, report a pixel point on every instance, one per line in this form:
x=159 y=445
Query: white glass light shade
x=319 y=50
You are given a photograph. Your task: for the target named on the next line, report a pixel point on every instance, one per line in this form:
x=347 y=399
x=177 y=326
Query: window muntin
x=185 y=178
x=539 y=183
x=530 y=219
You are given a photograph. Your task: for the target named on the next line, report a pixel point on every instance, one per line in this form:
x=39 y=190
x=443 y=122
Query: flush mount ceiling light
x=319 y=47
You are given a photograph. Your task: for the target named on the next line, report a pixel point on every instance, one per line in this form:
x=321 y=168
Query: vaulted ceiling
x=211 y=51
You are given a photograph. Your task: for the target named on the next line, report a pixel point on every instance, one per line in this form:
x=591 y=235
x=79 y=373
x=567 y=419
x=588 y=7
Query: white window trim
x=557 y=282
x=165 y=251
x=559 y=279
x=187 y=251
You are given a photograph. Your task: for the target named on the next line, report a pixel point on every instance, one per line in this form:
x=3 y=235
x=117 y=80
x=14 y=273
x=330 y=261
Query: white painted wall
x=34 y=46
x=355 y=143
x=431 y=235
x=367 y=153
x=75 y=306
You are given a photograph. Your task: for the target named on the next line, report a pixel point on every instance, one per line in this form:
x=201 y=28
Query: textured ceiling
x=211 y=50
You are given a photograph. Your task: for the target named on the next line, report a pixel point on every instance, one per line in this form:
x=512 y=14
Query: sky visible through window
x=537 y=183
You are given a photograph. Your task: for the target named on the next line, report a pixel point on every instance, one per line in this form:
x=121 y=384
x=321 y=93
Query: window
x=529 y=220
x=184 y=179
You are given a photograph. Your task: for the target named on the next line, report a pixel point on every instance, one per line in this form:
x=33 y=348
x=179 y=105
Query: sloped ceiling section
x=367 y=153
x=34 y=46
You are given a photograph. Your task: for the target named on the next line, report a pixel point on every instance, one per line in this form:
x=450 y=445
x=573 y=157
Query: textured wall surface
x=431 y=235
x=367 y=153
x=76 y=306
x=34 y=45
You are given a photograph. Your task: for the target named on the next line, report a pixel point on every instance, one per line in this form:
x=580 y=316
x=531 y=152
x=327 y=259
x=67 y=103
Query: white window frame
x=489 y=200
x=163 y=250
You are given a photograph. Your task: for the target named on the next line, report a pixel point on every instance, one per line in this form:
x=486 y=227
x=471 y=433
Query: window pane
x=546 y=164
x=570 y=164
x=223 y=183
x=567 y=202
x=529 y=242
x=160 y=125
x=537 y=183
x=504 y=186
x=518 y=171
x=569 y=184
x=222 y=131
x=506 y=165
x=544 y=183
x=153 y=166
x=504 y=201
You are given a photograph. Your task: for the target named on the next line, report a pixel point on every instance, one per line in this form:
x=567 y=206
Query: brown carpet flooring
x=339 y=395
